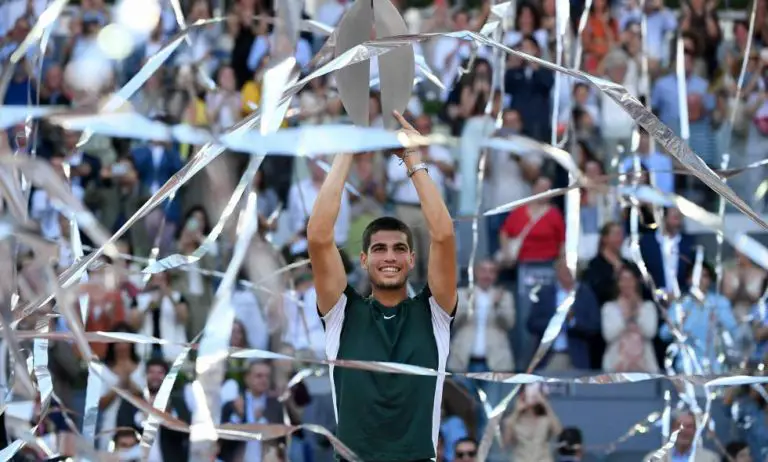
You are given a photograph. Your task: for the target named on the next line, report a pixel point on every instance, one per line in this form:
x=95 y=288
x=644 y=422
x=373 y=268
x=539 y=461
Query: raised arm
x=441 y=269
x=327 y=267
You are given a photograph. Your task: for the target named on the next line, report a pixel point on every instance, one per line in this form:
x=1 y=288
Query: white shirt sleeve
x=333 y=322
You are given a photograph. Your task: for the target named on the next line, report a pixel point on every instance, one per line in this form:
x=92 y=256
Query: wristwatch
x=415 y=168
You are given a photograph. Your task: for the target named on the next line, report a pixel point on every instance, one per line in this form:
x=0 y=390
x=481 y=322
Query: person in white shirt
x=161 y=312
x=253 y=406
x=301 y=199
x=249 y=312
x=480 y=341
x=448 y=53
x=304 y=333
x=403 y=193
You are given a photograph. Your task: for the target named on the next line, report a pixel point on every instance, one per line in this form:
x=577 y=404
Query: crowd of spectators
x=520 y=276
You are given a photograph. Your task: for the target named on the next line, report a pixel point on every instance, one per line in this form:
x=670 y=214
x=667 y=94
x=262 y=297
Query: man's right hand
x=409 y=130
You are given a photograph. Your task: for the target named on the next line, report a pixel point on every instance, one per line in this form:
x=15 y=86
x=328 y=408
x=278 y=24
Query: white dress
x=109 y=413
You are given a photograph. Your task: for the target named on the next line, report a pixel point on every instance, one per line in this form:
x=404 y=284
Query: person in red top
x=531 y=239
x=106 y=308
x=537 y=228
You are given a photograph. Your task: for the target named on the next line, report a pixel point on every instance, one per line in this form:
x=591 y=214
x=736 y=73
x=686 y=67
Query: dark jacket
x=586 y=322
x=174 y=446
x=530 y=92
x=651 y=252
x=273 y=413
x=148 y=173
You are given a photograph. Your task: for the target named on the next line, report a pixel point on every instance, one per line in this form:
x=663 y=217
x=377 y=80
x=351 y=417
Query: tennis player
x=381 y=416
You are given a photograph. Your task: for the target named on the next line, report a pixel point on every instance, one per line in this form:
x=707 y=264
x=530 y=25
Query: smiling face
x=388 y=260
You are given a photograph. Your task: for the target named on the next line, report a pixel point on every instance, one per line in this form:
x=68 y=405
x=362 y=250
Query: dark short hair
x=258 y=362
x=125 y=432
x=733 y=448
x=532 y=40
x=386 y=224
x=466 y=439
x=570 y=440
x=157 y=361
x=705 y=266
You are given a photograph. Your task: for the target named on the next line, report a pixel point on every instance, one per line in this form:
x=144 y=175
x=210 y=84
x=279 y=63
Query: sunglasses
x=461 y=455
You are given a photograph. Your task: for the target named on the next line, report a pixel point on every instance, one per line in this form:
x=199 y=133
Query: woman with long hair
x=603 y=270
x=469 y=93
x=528 y=22
x=195 y=288
x=123 y=370
x=601 y=33
x=476 y=126
x=629 y=325
x=237 y=368
x=601 y=275
x=162 y=312
x=647 y=219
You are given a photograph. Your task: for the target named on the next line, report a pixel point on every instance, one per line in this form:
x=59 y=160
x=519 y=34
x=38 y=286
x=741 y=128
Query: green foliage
x=432 y=107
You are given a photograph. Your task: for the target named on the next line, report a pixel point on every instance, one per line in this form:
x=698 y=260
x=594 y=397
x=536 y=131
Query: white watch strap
x=416 y=168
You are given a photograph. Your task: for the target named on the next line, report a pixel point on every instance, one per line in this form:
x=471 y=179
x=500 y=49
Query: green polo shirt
x=380 y=416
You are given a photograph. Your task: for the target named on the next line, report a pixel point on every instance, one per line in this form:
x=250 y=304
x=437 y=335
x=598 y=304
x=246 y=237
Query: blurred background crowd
x=520 y=277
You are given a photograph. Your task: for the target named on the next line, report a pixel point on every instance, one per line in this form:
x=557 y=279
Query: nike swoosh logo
x=389 y=317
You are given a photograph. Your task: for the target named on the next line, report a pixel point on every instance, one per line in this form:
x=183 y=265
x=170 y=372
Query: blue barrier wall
x=605 y=413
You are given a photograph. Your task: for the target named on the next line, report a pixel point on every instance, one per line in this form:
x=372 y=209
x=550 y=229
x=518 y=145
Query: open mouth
x=389 y=269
